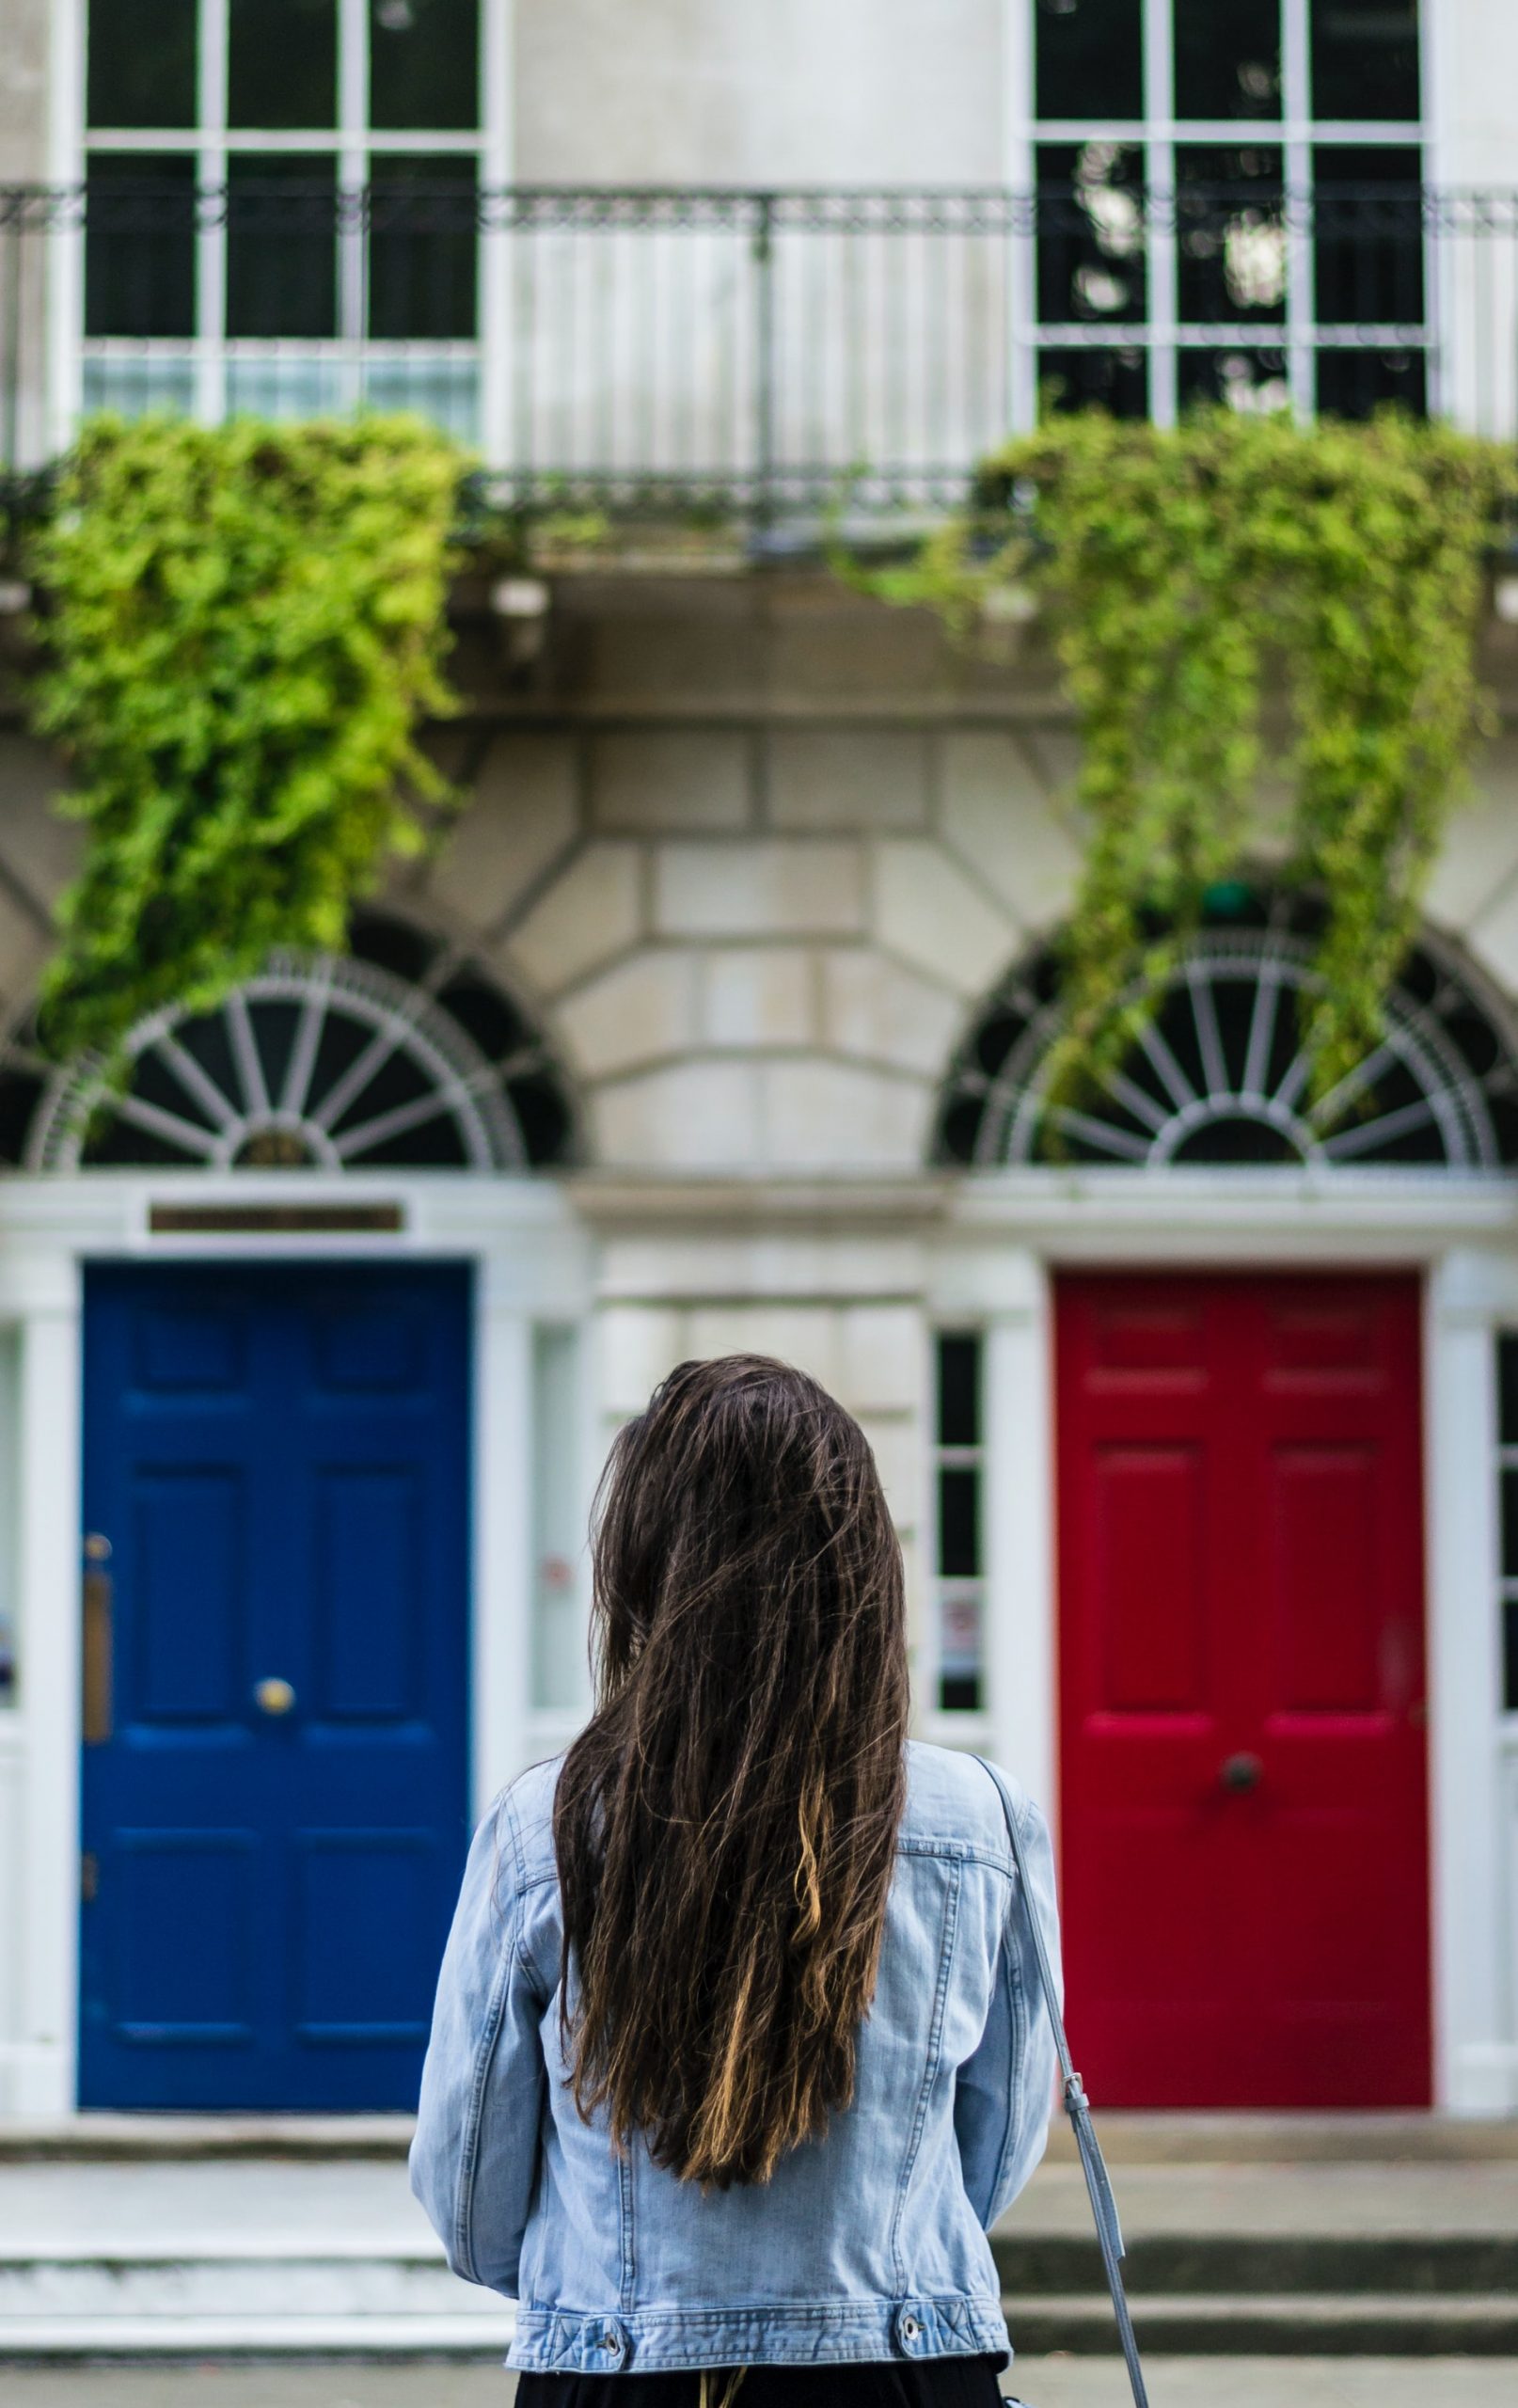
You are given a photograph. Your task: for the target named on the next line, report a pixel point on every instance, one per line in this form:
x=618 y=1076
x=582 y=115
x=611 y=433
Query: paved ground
x=1046 y=2382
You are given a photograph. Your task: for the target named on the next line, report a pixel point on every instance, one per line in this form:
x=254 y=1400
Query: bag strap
x=1103 y=2206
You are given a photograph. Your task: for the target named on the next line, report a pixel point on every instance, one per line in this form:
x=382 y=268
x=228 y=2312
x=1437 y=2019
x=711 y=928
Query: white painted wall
x=1471 y=61
x=731 y=93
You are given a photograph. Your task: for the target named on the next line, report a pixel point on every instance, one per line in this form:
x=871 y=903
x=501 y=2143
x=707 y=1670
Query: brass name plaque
x=275 y=1220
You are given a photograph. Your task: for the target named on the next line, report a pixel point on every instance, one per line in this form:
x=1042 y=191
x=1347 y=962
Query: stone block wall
x=847 y=1307
x=751 y=849
x=768 y=962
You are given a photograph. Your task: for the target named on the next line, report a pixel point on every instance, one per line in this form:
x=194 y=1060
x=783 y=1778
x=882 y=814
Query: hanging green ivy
x=243 y=627
x=1177 y=570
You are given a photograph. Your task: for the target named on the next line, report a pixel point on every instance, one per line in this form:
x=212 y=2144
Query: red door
x=1243 y=1760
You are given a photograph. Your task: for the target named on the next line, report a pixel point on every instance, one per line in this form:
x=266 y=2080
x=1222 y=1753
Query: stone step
x=170 y=2299
x=176 y=2281
x=1422 y=2265
x=1301 y=2325
x=1128 y=2137
x=148 y=2302
x=113 y=2139
x=1305 y=2325
x=118 y=2338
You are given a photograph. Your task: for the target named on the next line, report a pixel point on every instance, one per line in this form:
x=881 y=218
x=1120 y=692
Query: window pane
x=1248 y=380
x=958 y=1523
x=1509 y=1525
x=1356 y=384
x=1227 y=59
x=422 y=250
x=139 y=246
x=1507 y=1390
x=282 y=63
x=1367 y=248
x=1094 y=377
x=141 y=62
x=1365 y=58
x=1510 y=1635
x=959 y=1655
x=424 y=64
x=958 y=1391
x=281 y=246
x=1090 y=57
x=1090 y=232
x=1231 y=237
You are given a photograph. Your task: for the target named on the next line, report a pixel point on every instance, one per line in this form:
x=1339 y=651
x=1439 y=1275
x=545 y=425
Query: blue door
x=276 y=1784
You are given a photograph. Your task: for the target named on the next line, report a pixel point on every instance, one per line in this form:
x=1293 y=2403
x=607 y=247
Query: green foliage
x=243 y=625
x=1176 y=569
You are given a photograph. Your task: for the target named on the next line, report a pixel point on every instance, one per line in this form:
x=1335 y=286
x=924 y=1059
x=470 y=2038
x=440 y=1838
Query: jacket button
x=910 y=2328
x=611 y=2343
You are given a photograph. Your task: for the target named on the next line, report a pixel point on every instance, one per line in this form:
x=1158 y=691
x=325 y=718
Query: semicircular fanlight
x=1220 y=1076
x=403 y=1054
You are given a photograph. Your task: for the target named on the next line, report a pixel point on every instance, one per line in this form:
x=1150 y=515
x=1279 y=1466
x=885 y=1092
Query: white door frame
x=532 y=1266
x=1005 y=1239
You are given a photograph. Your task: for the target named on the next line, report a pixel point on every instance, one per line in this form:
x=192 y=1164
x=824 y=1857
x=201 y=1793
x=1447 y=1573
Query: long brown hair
x=726 y=1823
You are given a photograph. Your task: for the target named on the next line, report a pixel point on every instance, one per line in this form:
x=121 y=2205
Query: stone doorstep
x=1127 y=2138
x=1207 y=2137
x=61 y=2339
x=103 y=2139
x=188 y=2248
x=1377 y=2327
x=1431 y=2266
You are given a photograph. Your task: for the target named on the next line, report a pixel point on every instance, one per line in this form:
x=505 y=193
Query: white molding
x=1459 y=1486
x=40 y=2078
x=501 y=1667
x=1020 y=1623
x=65 y=250
x=1017 y=174
x=1197 y=1217
x=498 y=120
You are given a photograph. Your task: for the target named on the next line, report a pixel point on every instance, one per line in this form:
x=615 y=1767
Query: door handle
x=273 y=1697
x=98 y=1644
x=1240 y=1772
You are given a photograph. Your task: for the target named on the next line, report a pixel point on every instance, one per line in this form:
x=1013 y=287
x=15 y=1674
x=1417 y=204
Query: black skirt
x=920 y=2383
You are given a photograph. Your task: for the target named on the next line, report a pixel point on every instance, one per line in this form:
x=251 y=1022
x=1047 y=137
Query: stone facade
x=750 y=850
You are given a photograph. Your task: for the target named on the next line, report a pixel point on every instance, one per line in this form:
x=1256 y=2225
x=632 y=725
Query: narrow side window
x=958 y=1473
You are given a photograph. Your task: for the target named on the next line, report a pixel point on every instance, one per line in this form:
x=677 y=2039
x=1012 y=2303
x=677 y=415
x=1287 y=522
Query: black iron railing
x=770 y=350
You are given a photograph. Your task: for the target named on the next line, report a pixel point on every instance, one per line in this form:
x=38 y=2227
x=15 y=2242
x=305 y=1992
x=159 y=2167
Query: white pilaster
x=1476 y=2041
x=503 y=1670
x=1020 y=1554
x=41 y=2071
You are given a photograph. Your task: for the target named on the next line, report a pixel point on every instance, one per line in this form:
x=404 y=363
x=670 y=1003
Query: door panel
x=276 y=1463
x=1243 y=1757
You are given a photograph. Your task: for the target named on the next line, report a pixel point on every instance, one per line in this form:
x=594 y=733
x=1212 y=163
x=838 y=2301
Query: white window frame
x=212 y=143
x=1158 y=132
x=963 y=1725
x=1505 y=1459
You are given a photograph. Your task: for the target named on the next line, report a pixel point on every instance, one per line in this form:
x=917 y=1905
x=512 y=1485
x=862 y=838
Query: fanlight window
x=1220 y=1077
x=403 y=1056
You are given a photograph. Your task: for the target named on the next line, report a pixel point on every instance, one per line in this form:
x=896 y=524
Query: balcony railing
x=761 y=350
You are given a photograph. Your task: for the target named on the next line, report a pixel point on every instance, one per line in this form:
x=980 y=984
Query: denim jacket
x=867 y=2244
